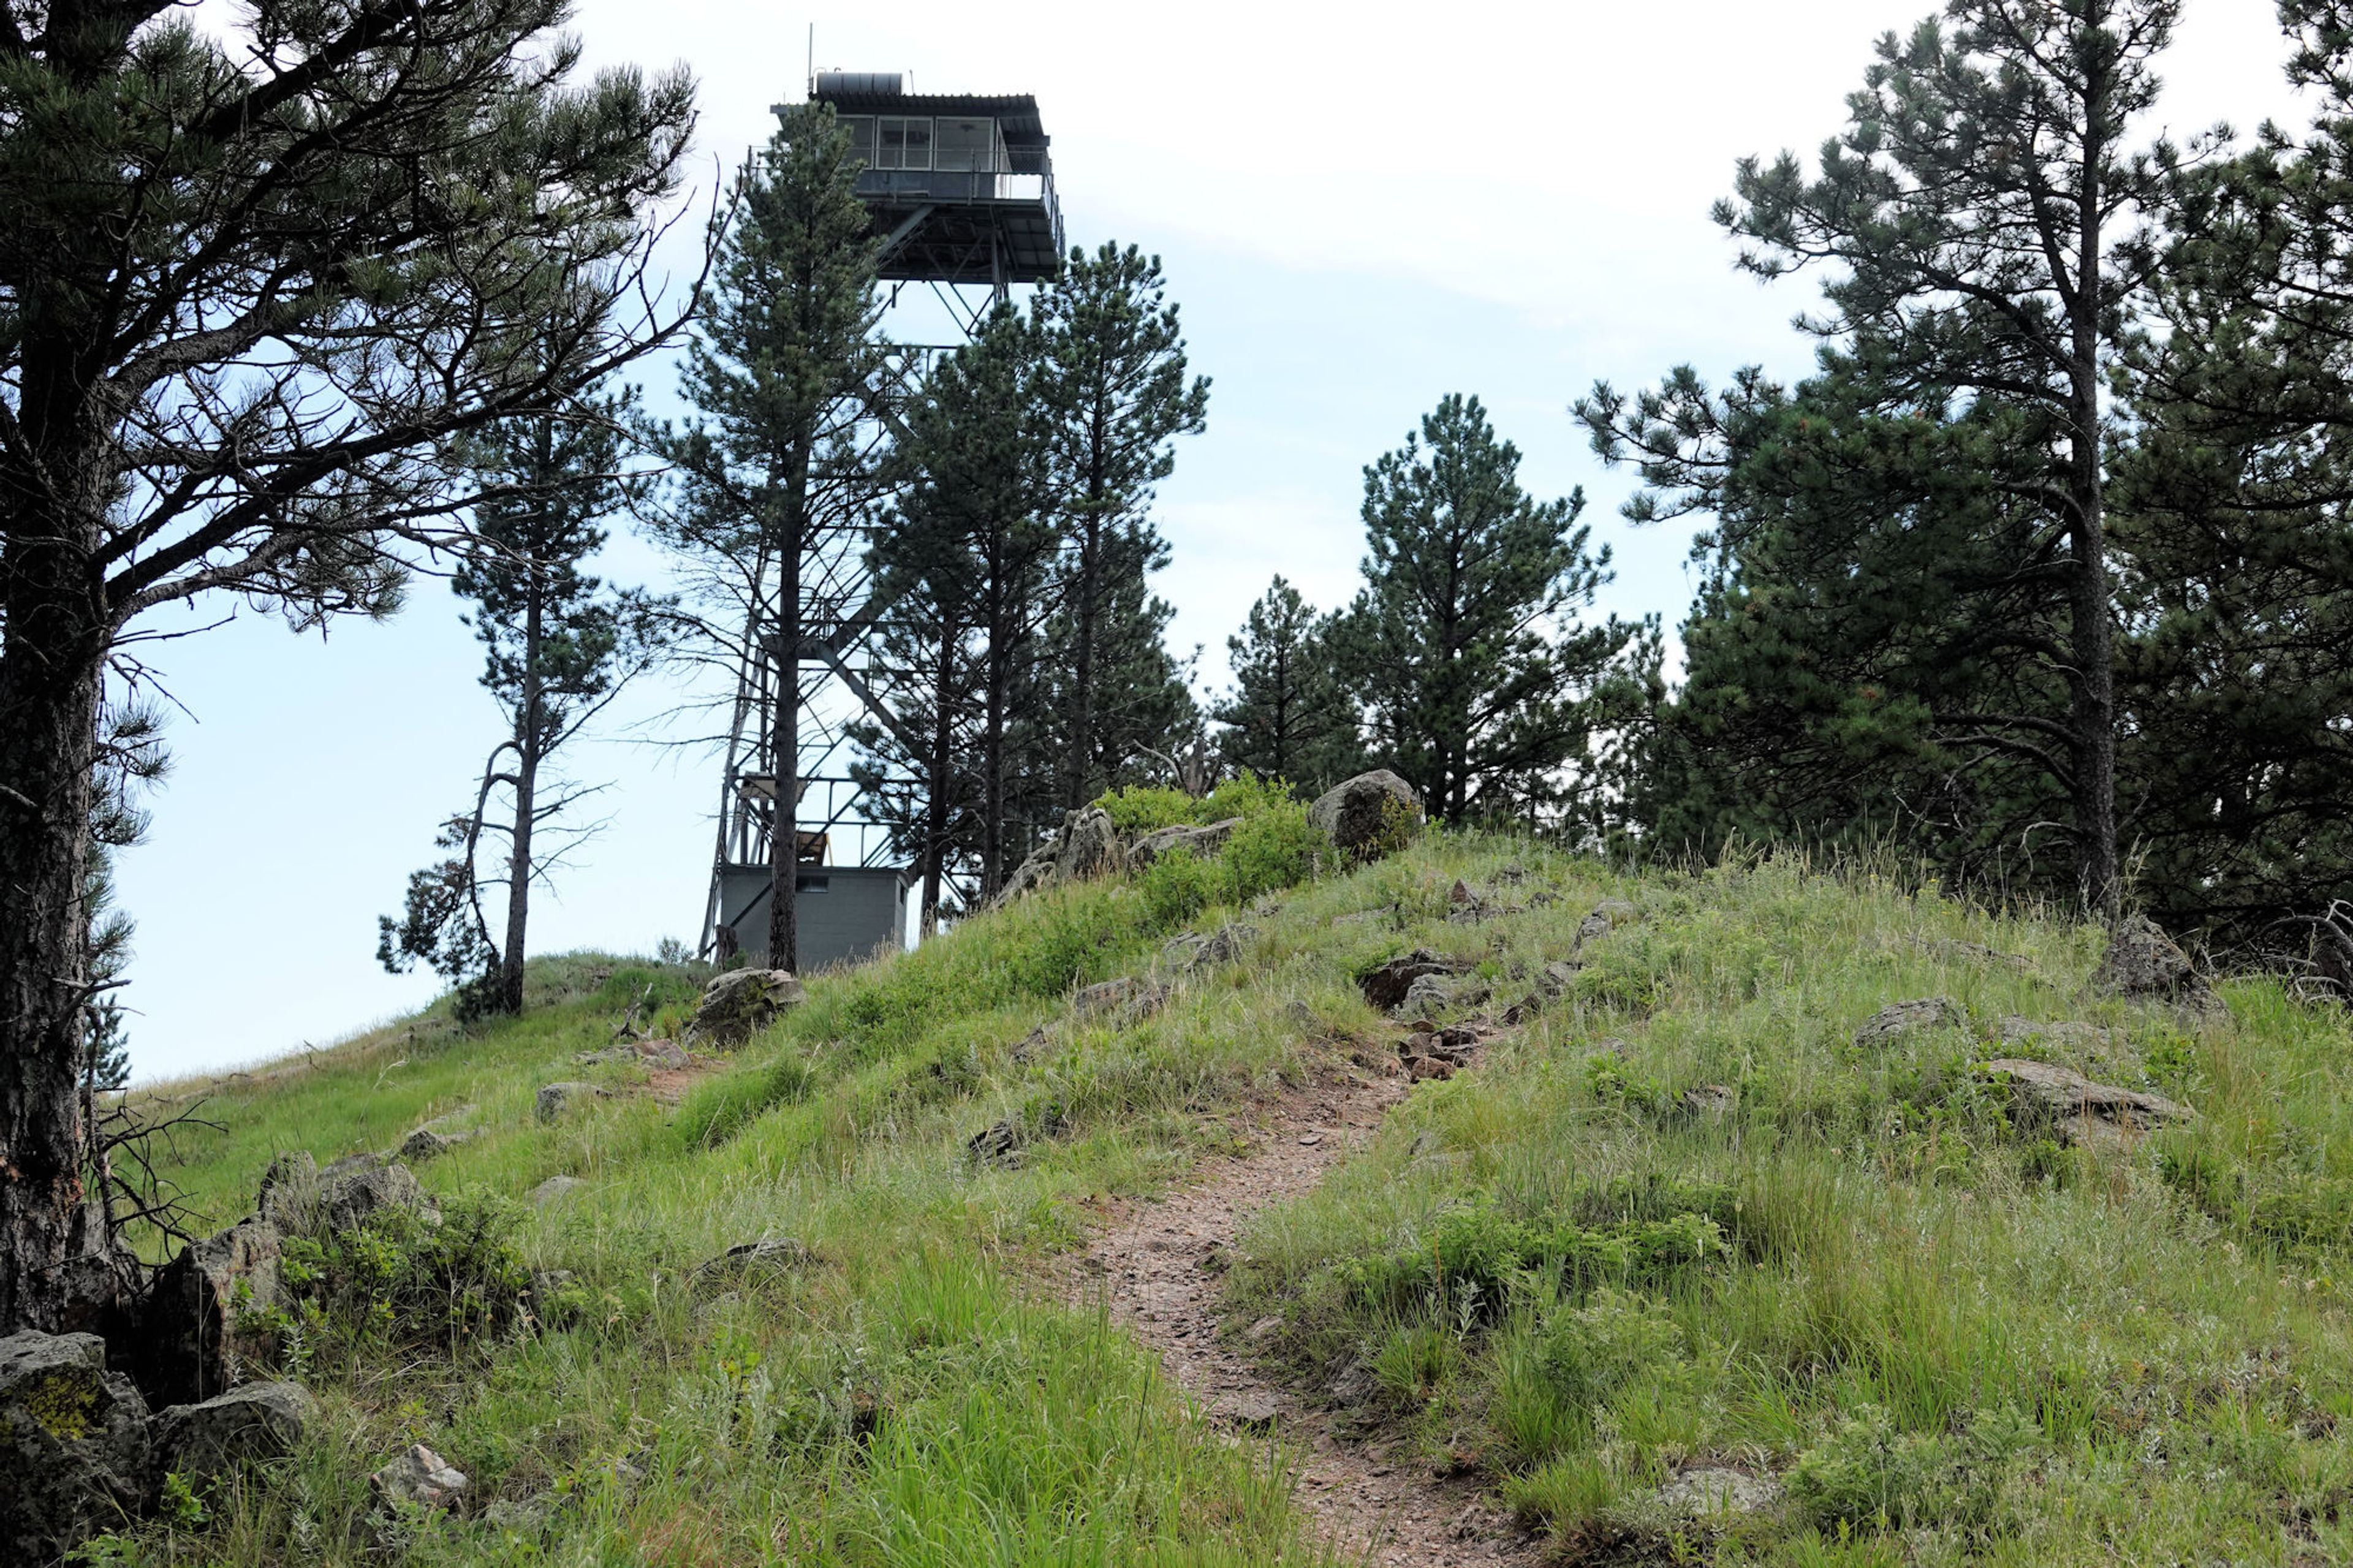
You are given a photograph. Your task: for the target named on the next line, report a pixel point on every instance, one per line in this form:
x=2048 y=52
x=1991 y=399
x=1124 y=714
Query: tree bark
x=2090 y=607
x=935 y=812
x=527 y=749
x=50 y=673
x=785 y=840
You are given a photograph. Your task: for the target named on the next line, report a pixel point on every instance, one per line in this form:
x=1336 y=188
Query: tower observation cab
x=959 y=185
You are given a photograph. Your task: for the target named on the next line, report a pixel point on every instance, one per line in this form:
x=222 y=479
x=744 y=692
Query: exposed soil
x=1158 y=1264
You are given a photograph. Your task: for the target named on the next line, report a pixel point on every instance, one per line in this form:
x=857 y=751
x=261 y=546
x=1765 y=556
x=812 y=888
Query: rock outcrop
x=740 y=1002
x=1903 y=1020
x=205 y=1320
x=1369 y=815
x=1087 y=845
x=1199 y=842
x=2145 y=964
x=1387 y=987
x=355 y=1192
x=2078 y=1109
x=74 y=1445
x=251 y=1424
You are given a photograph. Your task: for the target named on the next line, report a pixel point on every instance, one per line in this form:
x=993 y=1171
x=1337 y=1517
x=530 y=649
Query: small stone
x=1710 y=1101
x=1893 y=1023
x=1606 y=917
x=1265 y=1329
x=1311 y=1137
x=771 y=1254
x=420 y=1478
x=1422 y=1069
x=1256 y=1412
x=667 y=1055
x=553 y=1189
x=559 y=1100
x=425 y=1144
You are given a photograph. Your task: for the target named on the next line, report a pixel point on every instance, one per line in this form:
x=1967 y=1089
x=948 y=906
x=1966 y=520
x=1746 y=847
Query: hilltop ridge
x=1680 y=1245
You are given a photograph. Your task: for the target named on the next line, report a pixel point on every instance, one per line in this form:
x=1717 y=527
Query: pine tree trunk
x=785 y=846
x=992 y=751
x=935 y=812
x=1082 y=691
x=2093 y=628
x=49 y=691
x=527 y=743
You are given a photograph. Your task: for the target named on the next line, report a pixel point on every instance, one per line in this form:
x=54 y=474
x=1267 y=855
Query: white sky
x=1359 y=209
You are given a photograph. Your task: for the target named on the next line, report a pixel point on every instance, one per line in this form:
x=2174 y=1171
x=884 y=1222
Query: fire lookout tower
x=960 y=185
x=960 y=190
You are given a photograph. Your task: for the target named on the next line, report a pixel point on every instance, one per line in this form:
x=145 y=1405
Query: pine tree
x=258 y=273
x=1111 y=388
x=1477 y=688
x=558 y=647
x=963 y=569
x=1980 y=211
x=1286 y=717
x=772 y=488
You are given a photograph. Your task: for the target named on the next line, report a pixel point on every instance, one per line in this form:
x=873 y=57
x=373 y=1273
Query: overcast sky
x=1360 y=209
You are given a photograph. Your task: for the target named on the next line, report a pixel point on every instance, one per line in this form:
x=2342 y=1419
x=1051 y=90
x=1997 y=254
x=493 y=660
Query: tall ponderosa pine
x=1286 y=717
x=1111 y=389
x=2235 y=529
x=255 y=276
x=963 y=568
x=558 y=646
x=1478 y=688
x=1982 y=211
x=771 y=491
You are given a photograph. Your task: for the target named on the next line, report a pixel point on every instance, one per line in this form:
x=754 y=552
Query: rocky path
x=1155 y=1265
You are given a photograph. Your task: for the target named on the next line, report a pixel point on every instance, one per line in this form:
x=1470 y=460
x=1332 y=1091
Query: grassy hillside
x=1678 y=1215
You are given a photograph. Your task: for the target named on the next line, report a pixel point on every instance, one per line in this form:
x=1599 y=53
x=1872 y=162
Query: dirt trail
x=1389 y=1508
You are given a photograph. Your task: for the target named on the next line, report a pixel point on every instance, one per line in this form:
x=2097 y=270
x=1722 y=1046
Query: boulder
x=1091 y=845
x=1223 y=947
x=1433 y=993
x=557 y=1101
x=1127 y=998
x=1606 y=917
x=1387 y=987
x=740 y=1002
x=1200 y=842
x=2046 y=1095
x=2144 y=963
x=1369 y=815
x=251 y=1424
x=426 y=1144
x=2083 y=1039
x=289 y=1195
x=74 y=1445
x=206 y=1320
x=350 y=1200
x=1895 y=1022
x=666 y=1056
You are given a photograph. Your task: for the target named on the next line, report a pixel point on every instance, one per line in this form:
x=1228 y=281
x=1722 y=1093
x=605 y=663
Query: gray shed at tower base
x=847 y=913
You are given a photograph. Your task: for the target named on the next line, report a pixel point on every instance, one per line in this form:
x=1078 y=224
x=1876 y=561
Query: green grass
x=1953 y=1338
x=1962 y=1341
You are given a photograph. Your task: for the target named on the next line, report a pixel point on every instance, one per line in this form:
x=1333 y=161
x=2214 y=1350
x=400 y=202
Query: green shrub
x=1138 y=809
x=1870 y=1475
x=397 y=1281
x=1274 y=847
x=1476 y=1252
x=1177 y=886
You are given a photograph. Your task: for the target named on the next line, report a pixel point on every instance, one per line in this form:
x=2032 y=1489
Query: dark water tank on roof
x=856 y=84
